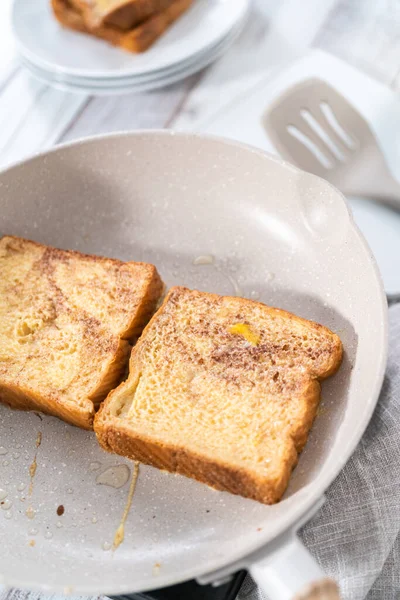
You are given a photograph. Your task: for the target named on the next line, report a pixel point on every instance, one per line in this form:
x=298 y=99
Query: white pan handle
x=291 y=573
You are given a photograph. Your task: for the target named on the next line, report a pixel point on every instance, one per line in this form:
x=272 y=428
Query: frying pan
x=264 y=230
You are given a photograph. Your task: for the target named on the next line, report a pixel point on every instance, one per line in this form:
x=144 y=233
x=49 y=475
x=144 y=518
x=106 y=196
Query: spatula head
x=316 y=128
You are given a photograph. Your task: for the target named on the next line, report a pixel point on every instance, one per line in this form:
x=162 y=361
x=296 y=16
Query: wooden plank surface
x=33 y=116
x=366 y=33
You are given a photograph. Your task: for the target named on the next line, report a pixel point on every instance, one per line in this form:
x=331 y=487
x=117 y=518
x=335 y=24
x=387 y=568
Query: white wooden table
x=34 y=117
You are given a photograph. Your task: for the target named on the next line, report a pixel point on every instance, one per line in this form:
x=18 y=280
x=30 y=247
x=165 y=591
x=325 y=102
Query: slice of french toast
x=137 y=39
x=125 y=14
x=67 y=321
x=223 y=390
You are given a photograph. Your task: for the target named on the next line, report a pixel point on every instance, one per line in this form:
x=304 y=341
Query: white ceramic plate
x=44 y=43
x=129 y=84
x=145 y=77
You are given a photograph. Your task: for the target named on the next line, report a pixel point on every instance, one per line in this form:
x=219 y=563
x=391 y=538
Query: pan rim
x=260 y=541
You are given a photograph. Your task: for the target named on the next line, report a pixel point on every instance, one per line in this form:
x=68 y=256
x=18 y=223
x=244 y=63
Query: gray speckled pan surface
x=276 y=234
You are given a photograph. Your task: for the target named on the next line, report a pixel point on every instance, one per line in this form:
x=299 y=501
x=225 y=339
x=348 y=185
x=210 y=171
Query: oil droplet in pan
x=94 y=466
x=32 y=471
x=33 y=467
x=106 y=546
x=236 y=287
x=205 y=259
x=115 y=477
x=120 y=533
x=6 y=504
x=8 y=515
x=21 y=487
x=209 y=259
x=30 y=513
x=48 y=535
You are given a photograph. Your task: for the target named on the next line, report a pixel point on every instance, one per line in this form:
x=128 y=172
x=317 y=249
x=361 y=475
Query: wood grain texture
x=365 y=33
x=149 y=110
x=34 y=117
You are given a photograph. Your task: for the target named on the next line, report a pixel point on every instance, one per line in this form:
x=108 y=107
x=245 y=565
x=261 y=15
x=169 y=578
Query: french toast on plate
x=133 y=26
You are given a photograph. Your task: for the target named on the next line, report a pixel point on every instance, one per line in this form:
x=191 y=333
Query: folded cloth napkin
x=356 y=535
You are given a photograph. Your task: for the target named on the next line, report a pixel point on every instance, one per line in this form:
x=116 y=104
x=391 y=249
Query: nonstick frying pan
x=221 y=217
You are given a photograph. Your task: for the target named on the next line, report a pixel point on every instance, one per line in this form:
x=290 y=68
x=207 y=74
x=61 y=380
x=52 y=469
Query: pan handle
x=291 y=573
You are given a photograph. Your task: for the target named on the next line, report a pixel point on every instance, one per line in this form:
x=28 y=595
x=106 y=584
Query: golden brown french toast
x=138 y=39
x=223 y=390
x=124 y=14
x=67 y=321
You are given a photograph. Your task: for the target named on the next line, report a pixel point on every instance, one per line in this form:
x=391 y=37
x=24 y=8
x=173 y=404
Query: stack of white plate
x=80 y=63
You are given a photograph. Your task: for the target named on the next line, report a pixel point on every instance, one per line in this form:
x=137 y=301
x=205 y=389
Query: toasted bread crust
x=115 y=437
x=19 y=398
x=117 y=434
x=68 y=322
x=221 y=476
x=135 y=40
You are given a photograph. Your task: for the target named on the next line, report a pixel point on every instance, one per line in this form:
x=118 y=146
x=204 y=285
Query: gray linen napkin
x=356 y=535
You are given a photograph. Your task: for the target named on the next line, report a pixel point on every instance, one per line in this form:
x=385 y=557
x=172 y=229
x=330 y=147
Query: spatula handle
x=291 y=573
x=373 y=179
x=388 y=192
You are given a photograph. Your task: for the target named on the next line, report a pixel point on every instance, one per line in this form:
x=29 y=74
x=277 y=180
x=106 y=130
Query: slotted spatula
x=316 y=128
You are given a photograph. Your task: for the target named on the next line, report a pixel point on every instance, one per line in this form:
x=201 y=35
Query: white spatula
x=244 y=119
x=315 y=127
